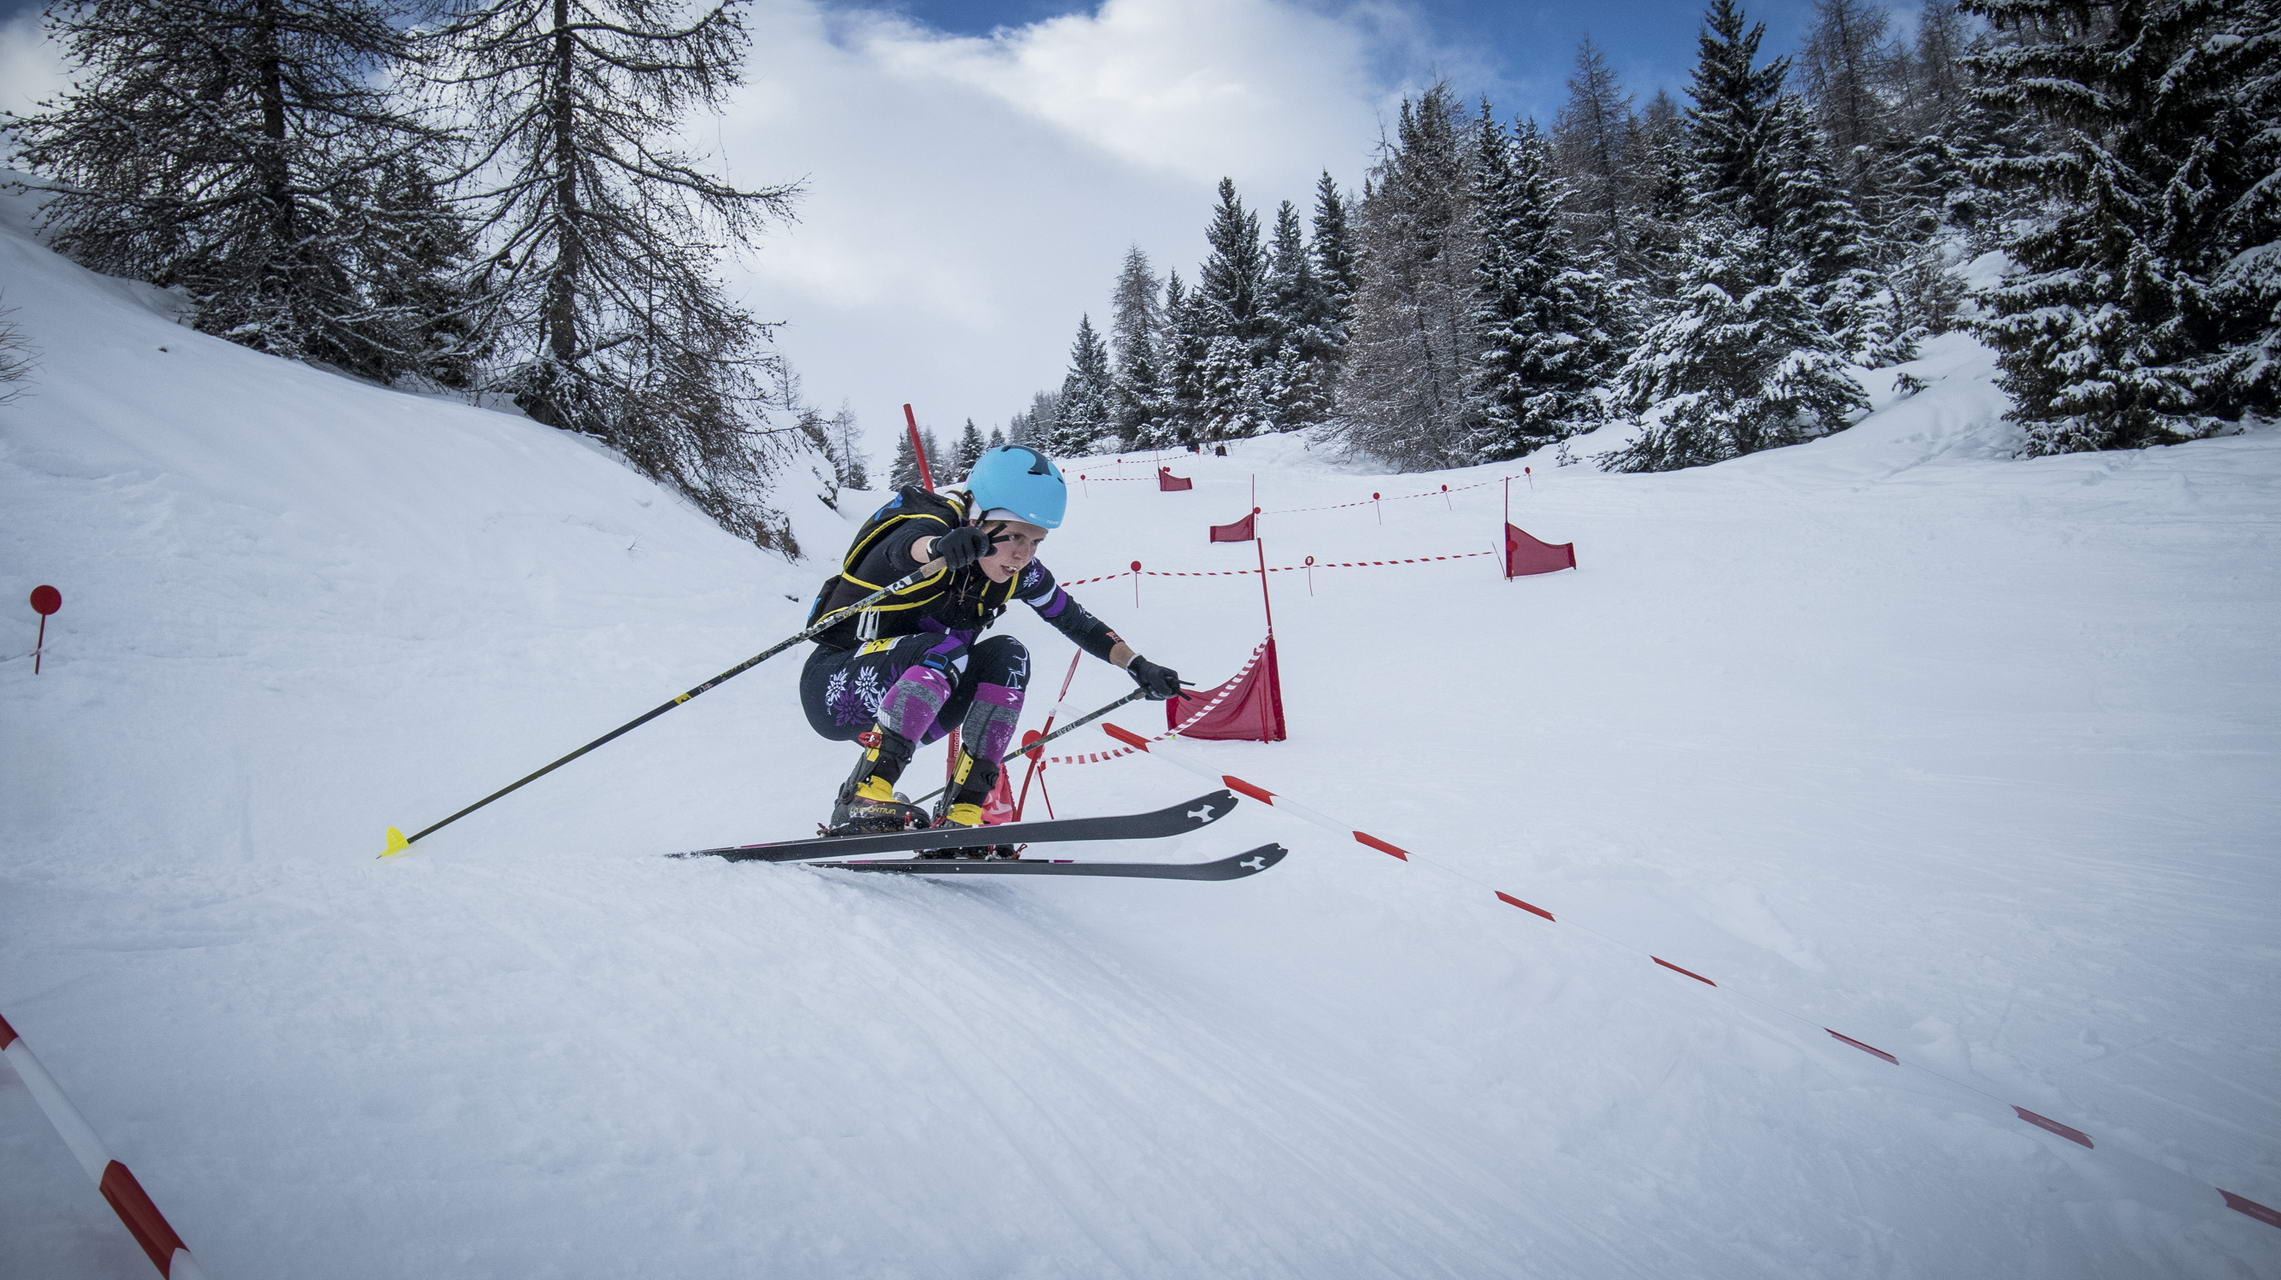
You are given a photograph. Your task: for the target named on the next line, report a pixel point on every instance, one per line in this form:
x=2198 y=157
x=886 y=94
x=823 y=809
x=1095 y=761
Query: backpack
x=939 y=513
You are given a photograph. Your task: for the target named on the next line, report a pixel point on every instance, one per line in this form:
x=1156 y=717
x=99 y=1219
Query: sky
x=974 y=170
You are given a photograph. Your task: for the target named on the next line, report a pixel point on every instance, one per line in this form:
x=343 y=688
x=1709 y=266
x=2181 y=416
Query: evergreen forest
x=1720 y=270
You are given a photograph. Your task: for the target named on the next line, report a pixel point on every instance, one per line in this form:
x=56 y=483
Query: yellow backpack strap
x=870 y=537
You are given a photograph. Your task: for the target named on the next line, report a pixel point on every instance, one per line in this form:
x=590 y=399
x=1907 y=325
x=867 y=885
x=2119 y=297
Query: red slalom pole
x=45 y=600
x=918 y=450
x=1264 y=603
x=1504 y=539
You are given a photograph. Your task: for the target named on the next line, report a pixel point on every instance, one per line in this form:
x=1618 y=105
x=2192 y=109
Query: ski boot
x=867 y=803
x=962 y=807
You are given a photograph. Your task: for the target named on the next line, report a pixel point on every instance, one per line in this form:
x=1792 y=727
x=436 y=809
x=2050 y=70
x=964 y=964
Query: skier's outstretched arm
x=1089 y=633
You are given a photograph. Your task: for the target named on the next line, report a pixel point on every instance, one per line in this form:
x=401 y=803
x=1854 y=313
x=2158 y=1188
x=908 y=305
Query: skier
x=914 y=666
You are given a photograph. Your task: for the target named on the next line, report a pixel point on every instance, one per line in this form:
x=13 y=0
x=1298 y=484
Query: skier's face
x=1015 y=553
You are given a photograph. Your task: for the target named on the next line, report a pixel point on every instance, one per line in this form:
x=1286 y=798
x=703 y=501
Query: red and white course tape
x=1403 y=497
x=1273 y=568
x=2237 y=1203
x=125 y=1195
x=1141 y=462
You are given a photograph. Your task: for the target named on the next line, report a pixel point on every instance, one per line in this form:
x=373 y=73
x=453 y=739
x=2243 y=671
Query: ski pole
x=1080 y=722
x=398 y=842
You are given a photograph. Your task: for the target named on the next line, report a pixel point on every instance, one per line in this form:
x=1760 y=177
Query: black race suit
x=917 y=664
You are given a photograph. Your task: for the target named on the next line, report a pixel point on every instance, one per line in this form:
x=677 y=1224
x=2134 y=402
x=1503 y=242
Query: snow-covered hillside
x=1971 y=759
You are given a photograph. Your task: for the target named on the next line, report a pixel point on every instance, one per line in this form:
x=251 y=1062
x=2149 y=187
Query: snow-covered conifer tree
x=904 y=468
x=1138 y=318
x=1333 y=249
x=1935 y=212
x=1541 y=347
x=938 y=458
x=2146 y=308
x=1086 y=422
x=1741 y=364
x=1299 y=371
x=1739 y=358
x=1231 y=296
x=1662 y=175
x=1186 y=342
x=969 y=447
x=1819 y=221
x=1036 y=425
x=1333 y=242
x=1235 y=391
x=1728 y=122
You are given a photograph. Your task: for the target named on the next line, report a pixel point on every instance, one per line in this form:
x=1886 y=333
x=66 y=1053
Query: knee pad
x=1002 y=660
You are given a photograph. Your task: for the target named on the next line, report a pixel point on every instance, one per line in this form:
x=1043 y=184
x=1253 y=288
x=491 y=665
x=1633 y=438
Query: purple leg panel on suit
x=989 y=727
x=916 y=701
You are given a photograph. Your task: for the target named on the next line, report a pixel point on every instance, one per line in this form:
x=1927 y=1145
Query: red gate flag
x=1239 y=531
x=1169 y=483
x=1252 y=713
x=1525 y=555
x=1000 y=807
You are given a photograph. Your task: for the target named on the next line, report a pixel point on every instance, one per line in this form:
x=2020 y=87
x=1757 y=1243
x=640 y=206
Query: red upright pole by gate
x=1264 y=603
x=918 y=450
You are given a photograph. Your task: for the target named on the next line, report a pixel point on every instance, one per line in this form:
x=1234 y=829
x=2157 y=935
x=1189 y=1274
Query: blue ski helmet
x=1021 y=480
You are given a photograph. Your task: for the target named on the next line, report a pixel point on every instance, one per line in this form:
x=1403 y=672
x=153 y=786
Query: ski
x=1172 y=820
x=1233 y=867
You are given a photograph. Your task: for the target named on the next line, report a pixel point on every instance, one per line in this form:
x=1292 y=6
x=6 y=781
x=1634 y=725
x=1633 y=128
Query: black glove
x=1155 y=681
x=964 y=545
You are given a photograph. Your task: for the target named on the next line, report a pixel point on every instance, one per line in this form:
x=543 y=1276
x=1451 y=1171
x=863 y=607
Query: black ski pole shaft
x=398 y=841
x=1079 y=723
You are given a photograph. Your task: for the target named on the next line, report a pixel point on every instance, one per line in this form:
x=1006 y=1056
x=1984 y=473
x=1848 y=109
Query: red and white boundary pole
x=2197 y=1191
x=125 y=1195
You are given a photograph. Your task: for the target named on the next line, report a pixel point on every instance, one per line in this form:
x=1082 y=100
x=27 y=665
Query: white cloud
x=31 y=68
x=968 y=198
x=1187 y=88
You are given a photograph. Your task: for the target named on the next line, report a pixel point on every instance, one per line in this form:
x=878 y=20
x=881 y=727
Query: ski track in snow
x=1967 y=757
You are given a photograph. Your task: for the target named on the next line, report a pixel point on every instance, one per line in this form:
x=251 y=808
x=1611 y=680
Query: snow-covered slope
x=1972 y=759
